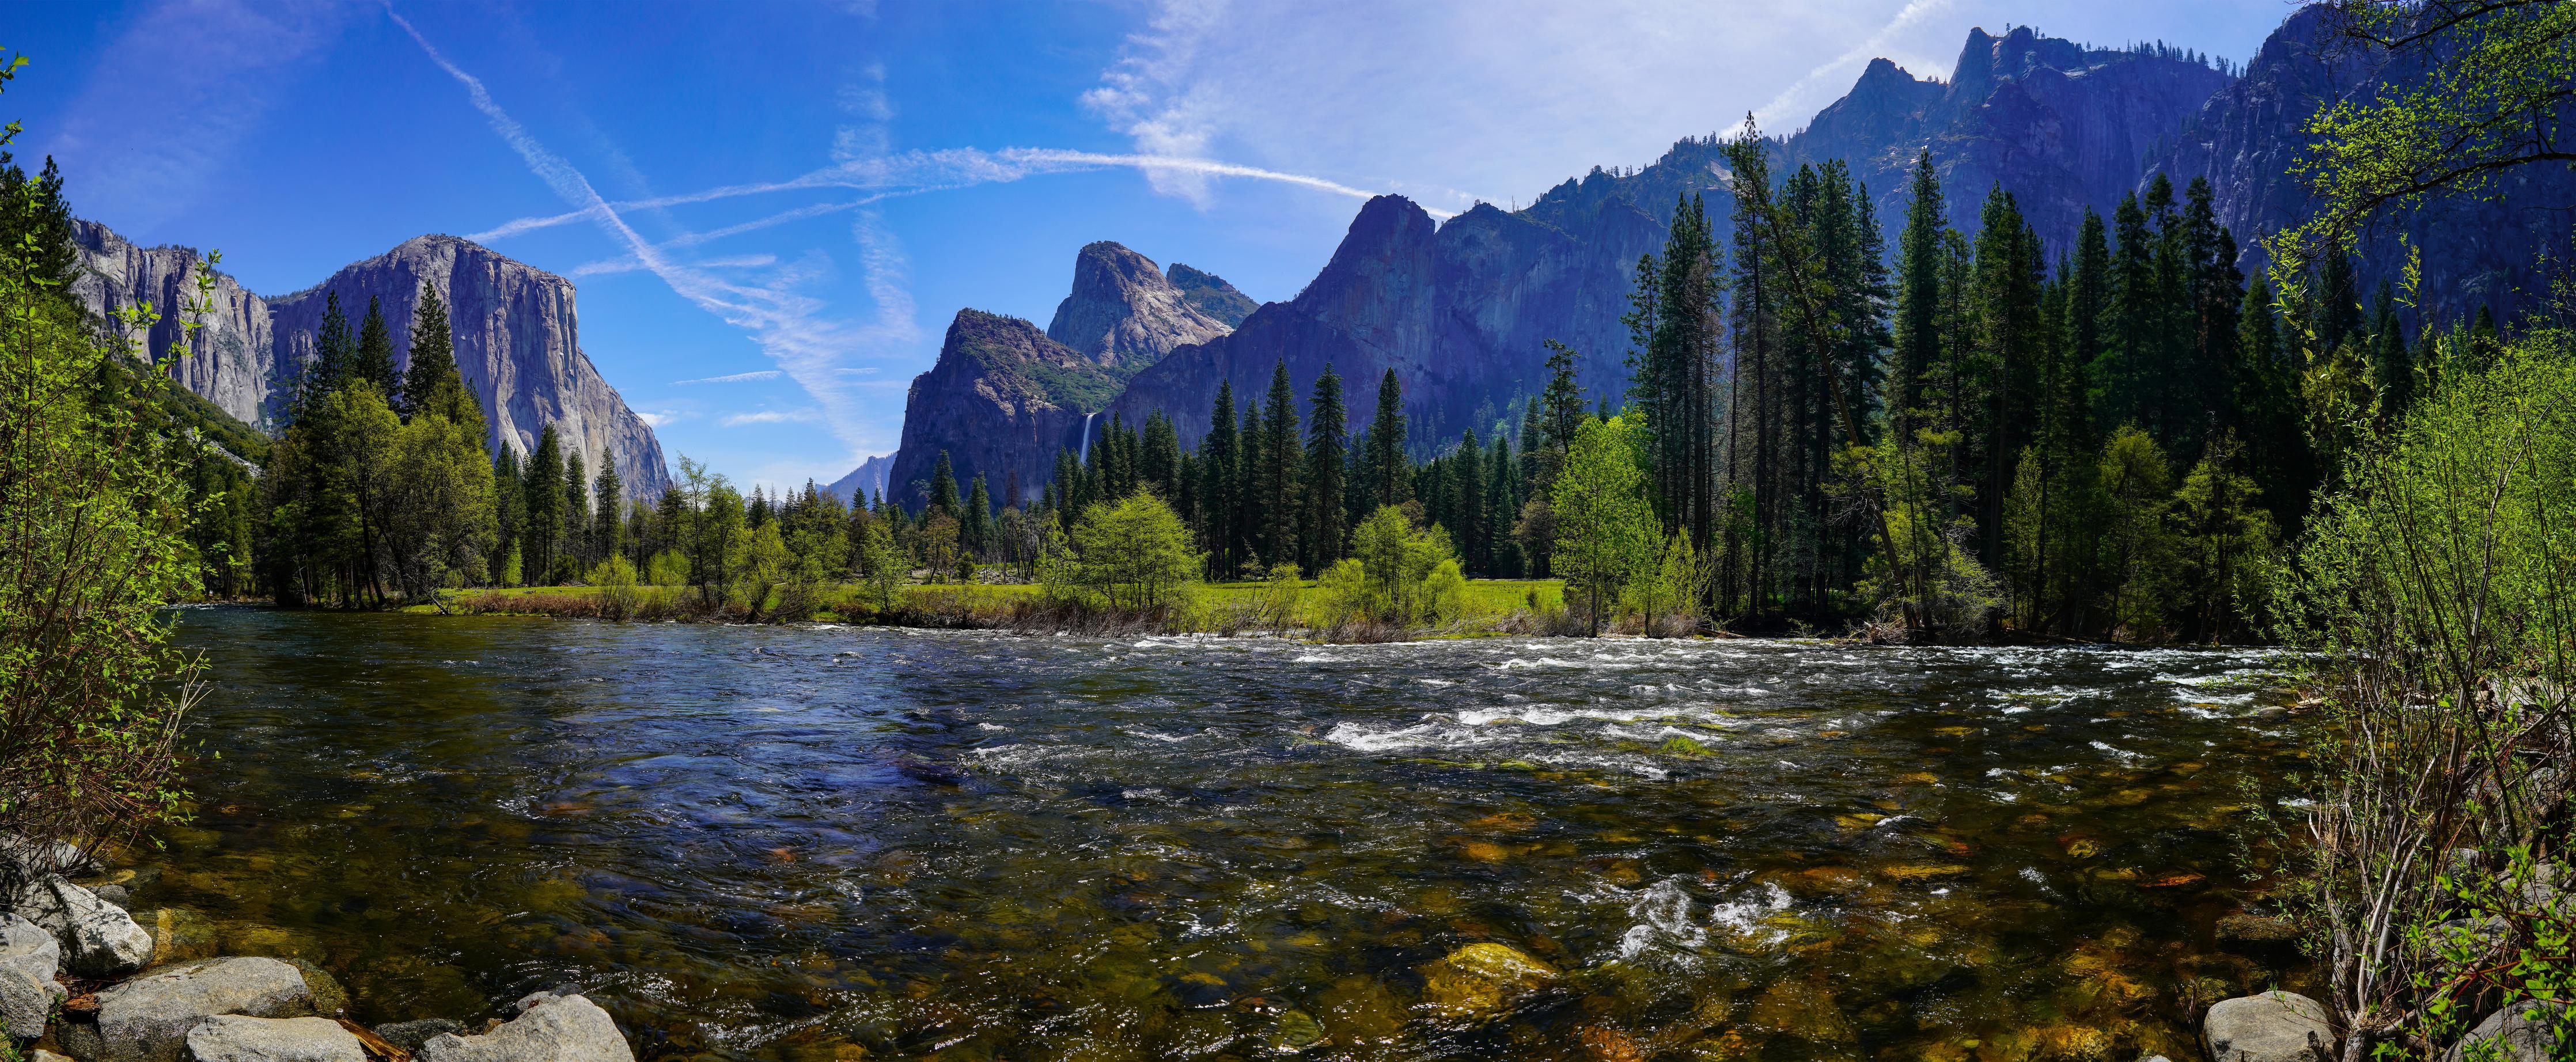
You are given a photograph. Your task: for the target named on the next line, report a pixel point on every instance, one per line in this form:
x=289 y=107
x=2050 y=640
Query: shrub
x=615 y=578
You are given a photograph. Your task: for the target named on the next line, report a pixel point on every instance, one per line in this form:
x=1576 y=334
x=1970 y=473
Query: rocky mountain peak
x=1124 y=312
x=1209 y=294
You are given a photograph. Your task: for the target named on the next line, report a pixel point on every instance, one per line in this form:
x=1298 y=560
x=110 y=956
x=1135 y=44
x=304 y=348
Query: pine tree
x=943 y=487
x=1323 y=533
x=1282 y=461
x=509 y=503
x=541 y=511
x=432 y=380
x=334 y=350
x=1218 y=498
x=575 y=552
x=1386 y=458
x=1918 y=296
x=373 y=359
x=608 y=511
x=976 y=530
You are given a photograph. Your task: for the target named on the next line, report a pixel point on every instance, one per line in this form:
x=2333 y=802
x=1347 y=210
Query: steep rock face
x=1460 y=312
x=231 y=359
x=518 y=347
x=517 y=339
x=1123 y=313
x=2476 y=252
x=1209 y=294
x=1000 y=401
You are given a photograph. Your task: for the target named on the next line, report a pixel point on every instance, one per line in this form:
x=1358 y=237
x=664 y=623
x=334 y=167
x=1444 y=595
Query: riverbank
x=83 y=979
x=1485 y=607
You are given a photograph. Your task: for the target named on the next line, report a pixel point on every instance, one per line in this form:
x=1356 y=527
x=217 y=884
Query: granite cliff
x=1003 y=396
x=517 y=339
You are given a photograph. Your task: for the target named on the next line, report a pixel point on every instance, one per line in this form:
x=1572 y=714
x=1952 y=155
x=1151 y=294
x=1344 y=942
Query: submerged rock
x=98 y=940
x=2257 y=929
x=549 y=1028
x=234 y=1038
x=147 y=1019
x=410 y=1035
x=1482 y=981
x=178 y=934
x=2524 y=1032
x=2271 y=1027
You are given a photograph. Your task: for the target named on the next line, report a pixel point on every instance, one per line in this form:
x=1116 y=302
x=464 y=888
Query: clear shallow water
x=842 y=843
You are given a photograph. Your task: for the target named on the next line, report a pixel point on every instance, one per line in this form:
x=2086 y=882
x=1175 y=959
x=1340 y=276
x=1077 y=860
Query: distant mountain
x=1004 y=396
x=1459 y=309
x=864 y=482
x=517 y=339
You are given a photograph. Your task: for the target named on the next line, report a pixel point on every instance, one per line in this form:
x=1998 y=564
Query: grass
x=1488 y=607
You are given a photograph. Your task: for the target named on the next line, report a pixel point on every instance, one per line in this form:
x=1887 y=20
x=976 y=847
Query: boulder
x=28 y=991
x=1483 y=981
x=234 y=1038
x=25 y=1003
x=98 y=940
x=2271 y=1027
x=2524 y=1032
x=147 y=1019
x=37 y=860
x=42 y=1055
x=29 y=948
x=409 y=1035
x=549 y=1028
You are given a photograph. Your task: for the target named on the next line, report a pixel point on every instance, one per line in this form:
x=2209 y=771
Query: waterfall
x=1086 y=436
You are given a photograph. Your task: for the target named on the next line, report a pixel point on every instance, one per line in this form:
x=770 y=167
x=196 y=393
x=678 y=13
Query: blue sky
x=772 y=209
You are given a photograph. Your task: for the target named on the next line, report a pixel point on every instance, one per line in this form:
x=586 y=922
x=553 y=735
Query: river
x=834 y=843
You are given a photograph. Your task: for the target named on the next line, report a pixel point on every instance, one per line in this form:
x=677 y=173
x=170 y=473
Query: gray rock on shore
x=98 y=939
x=28 y=957
x=2271 y=1027
x=2524 y=1032
x=548 y=1028
x=234 y=1038
x=147 y=1019
x=39 y=859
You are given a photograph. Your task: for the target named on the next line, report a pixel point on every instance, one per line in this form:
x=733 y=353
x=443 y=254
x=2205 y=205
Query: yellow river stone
x=1482 y=981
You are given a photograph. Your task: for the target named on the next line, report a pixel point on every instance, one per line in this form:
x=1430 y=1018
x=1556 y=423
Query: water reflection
x=844 y=843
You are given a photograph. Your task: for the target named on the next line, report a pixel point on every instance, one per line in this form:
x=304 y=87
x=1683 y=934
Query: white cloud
x=653 y=419
x=168 y=104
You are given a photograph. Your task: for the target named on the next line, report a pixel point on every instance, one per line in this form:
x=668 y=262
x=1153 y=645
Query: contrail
x=764 y=374
x=782 y=322
x=914 y=172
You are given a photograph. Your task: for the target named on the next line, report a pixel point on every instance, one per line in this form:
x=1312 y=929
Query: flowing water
x=826 y=843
